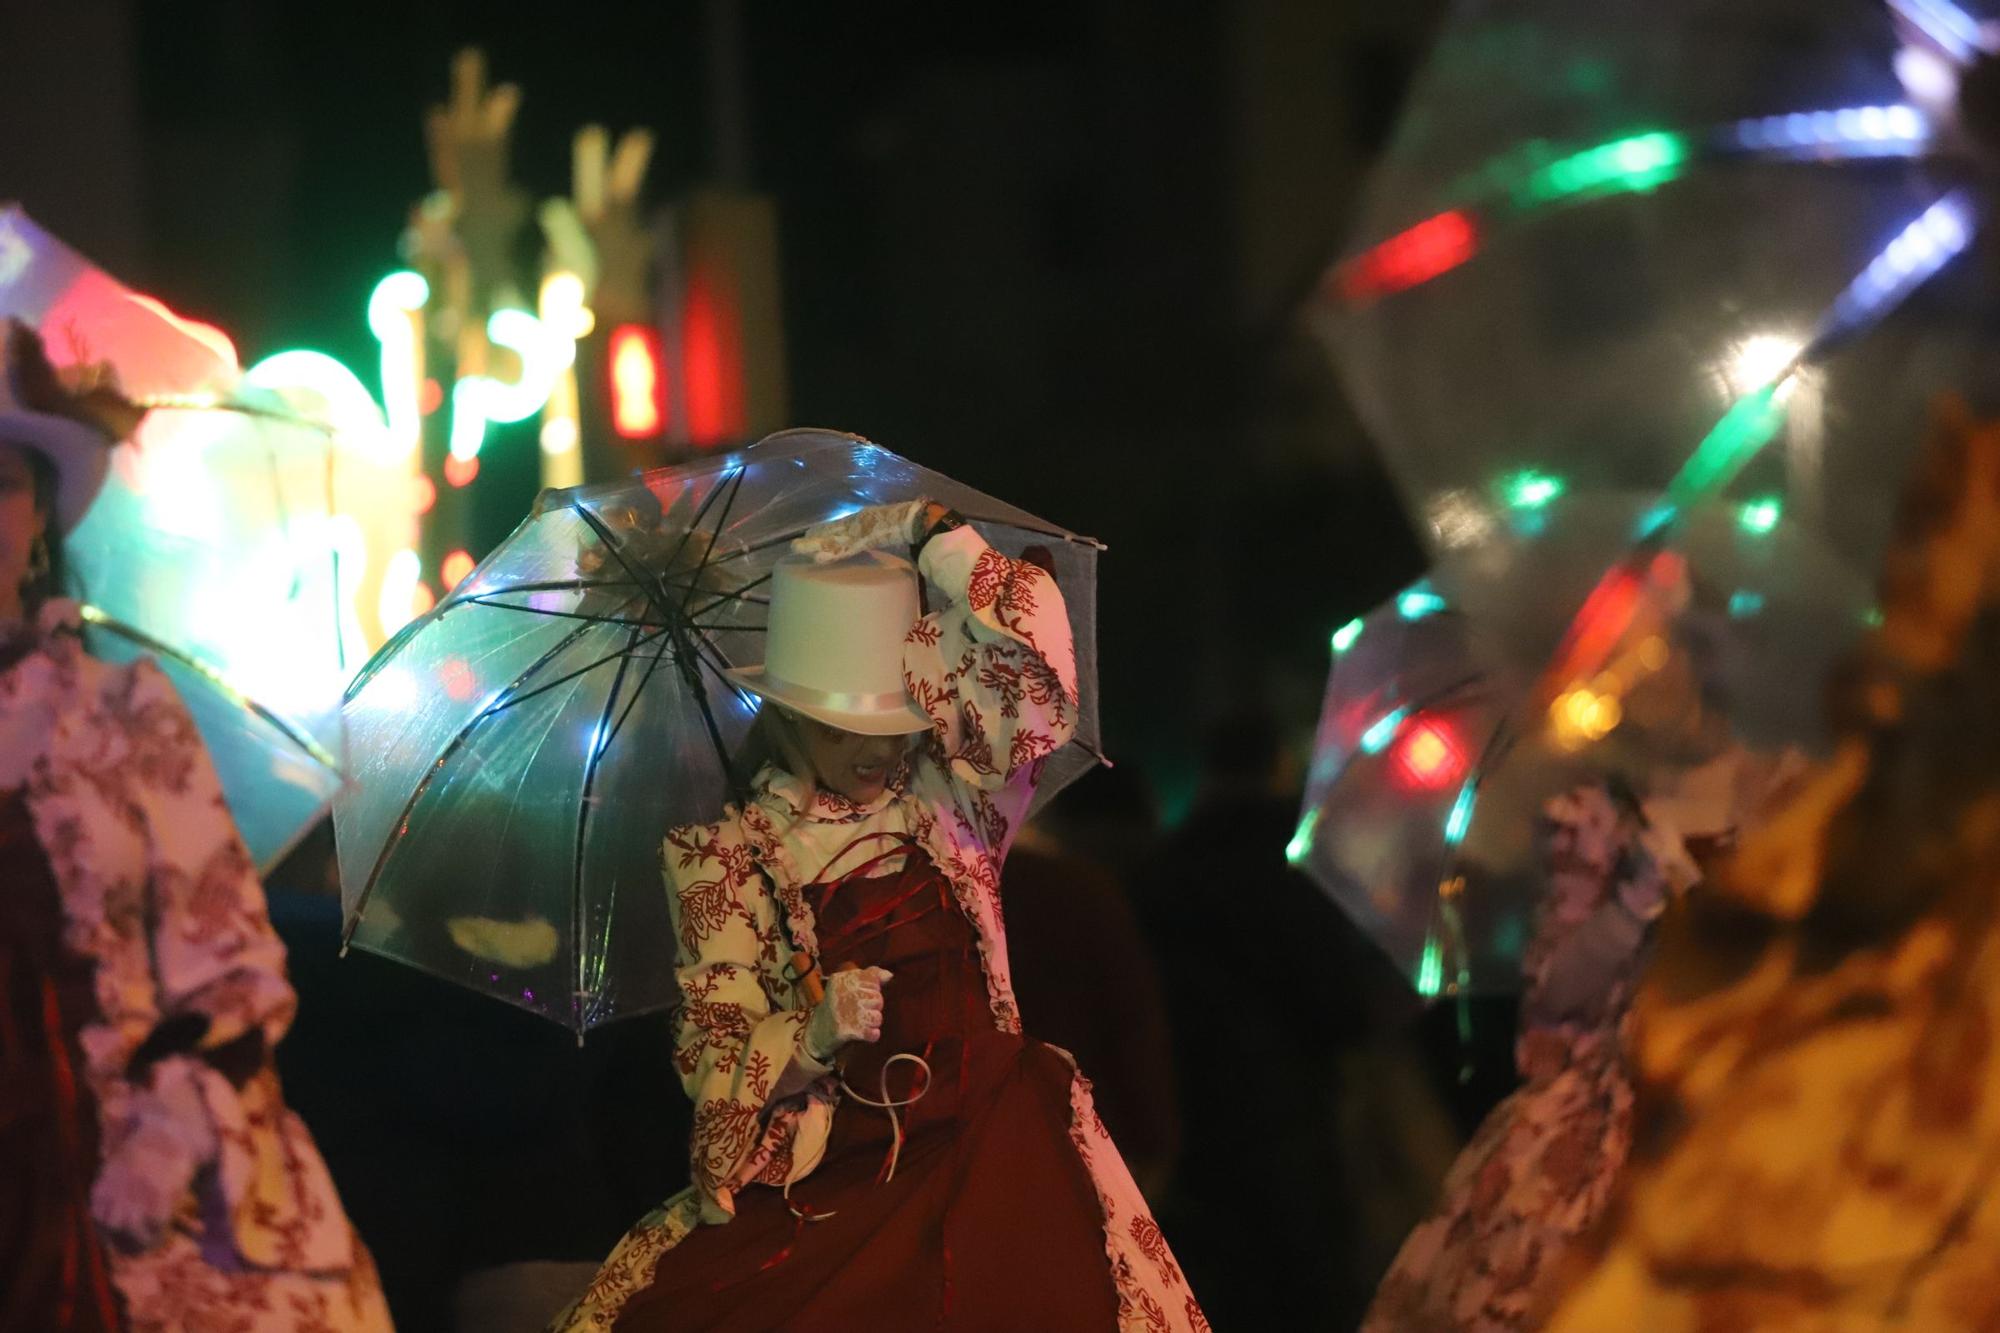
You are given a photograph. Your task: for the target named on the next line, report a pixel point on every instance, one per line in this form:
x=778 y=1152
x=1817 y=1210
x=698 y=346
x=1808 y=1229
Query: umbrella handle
x=808 y=974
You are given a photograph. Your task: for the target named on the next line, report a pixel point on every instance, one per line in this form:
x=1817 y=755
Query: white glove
x=851 y=1010
x=900 y=524
x=163 y=1139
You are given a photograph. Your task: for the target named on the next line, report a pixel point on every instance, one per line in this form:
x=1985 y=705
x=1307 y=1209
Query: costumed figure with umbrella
x=724 y=673
x=1675 y=787
x=884 y=1143
x=161 y=1182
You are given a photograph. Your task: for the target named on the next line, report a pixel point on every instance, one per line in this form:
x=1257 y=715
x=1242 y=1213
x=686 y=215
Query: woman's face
x=855 y=766
x=21 y=522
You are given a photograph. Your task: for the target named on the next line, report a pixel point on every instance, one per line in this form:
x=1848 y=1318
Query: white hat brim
x=902 y=721
x=80 y=456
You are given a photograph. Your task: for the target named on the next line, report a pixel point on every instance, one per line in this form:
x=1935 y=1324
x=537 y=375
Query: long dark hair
x=53 y=581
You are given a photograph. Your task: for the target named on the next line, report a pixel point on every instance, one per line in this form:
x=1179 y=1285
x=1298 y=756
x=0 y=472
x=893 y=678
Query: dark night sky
x=1014 y=248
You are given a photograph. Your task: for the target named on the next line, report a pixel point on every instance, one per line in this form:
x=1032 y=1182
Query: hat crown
x=839 y=627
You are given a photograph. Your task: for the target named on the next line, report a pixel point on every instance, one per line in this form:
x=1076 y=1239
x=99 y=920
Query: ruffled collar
x=798 y=799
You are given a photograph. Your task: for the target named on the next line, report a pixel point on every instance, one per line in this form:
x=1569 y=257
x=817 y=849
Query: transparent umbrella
x=213 y=545
x=1536 y=661
x=1673 y=248
x=520 y=751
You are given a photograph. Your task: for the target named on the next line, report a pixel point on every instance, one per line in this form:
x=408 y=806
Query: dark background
x=1056 y=251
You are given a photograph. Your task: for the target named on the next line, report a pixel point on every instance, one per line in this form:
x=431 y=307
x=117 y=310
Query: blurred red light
x=1429 y=755
x=455 y=567
x=638 y=382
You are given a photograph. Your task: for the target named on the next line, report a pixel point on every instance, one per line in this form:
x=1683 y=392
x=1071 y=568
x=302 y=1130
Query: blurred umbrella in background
x=1534 y=661
x=213 y=545
x=1673 y=249
x=520 y=751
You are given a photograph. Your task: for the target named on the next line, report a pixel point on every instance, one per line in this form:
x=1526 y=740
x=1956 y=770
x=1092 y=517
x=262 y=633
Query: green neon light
x=1744 y=603
x=1636 y=163
x=1301 y=843
x=1419 y=602
x=1760 y=516
x=1530 y=490
x=1744 y=429
x=1459 y=821
x=1430 y=969
x=1376 y=739
x=1345 y=636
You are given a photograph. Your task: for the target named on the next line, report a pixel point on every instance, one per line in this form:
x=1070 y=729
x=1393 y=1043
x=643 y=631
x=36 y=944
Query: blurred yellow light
x=1653 y=653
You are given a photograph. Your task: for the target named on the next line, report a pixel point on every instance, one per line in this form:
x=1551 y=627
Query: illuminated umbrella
x=212 y=546
x=1670 y=249
x=520 y=751
x=1454 y=710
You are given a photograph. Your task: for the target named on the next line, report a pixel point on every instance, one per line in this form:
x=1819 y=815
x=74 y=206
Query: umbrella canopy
x=212 y=545
x=521 y=750
x=1456 y=709
x=1669 y=248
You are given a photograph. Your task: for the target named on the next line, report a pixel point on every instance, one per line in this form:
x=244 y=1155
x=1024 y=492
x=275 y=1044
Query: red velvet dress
x=53 y=1277
x=989 y=1219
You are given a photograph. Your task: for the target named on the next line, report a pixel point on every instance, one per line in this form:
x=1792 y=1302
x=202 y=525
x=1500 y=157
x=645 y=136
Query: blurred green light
x=1301 y=843
x=1344 y=637
x=1531 y=490
x=1760 y=516
x=1430 y=969
x=1638 y=162
x=1743 y=603
x=1419 y=602
x=1744 y=429
x=1460 y=819
x=1376 y=739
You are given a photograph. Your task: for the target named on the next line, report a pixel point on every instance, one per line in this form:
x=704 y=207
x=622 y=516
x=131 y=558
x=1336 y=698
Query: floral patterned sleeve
x=995 y=669
x=733 y=1038
x=214 y=949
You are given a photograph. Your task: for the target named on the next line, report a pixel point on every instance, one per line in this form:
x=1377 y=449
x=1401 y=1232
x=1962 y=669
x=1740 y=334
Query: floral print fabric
x=158 y=892
x=1540 y=1168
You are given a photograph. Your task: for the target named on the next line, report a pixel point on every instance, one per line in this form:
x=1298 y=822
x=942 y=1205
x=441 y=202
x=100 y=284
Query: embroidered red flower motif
x=1146 y=1235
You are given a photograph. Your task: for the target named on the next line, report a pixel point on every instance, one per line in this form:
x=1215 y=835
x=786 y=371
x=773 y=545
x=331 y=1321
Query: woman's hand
x=164 y=1139
x=851 y=1010
x=900 y=524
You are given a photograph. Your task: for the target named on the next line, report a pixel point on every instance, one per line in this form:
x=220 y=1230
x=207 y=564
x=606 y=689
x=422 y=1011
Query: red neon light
x=1428 y=755
x=711 y=345
x=423 y=493
x=1434 y=246
x=460 y=471
x=1610 y=611
x=638 y=382
x=430 y=396
x=422 y=599
x=455 y=567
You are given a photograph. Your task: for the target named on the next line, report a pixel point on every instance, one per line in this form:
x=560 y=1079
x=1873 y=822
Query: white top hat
x=834 y=643
x=80 y=454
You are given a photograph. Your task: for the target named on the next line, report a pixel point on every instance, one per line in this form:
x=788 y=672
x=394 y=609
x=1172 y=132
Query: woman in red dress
x=886 y=1148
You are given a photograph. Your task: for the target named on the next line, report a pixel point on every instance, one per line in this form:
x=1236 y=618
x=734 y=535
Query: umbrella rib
x=564 y=615
x=639 y=692
x=431 y=771
x=649 y=587
x=598 y=744
x=585 y=670
x=737 y=595
x=96 y=616
x=734 y=479
x=722 y=520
